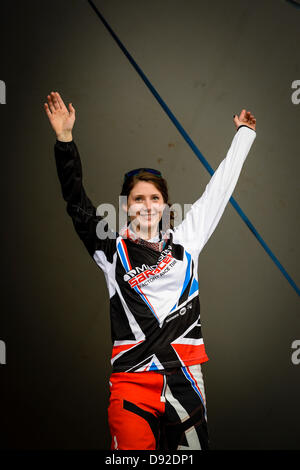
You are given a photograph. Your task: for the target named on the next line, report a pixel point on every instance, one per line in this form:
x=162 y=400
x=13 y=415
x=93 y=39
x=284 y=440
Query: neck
x=146 y=234
x=147 y=237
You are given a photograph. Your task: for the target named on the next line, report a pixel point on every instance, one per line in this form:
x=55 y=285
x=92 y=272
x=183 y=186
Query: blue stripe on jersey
x=146 y=301
x=186 y=279
x=187 y=273
x=126 y=266
x=123 y=257
x=194 y=287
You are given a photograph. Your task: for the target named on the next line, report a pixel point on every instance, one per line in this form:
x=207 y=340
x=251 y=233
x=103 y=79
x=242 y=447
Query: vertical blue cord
x=193 y=146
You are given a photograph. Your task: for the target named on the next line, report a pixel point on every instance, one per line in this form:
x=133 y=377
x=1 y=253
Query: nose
x=147 y=206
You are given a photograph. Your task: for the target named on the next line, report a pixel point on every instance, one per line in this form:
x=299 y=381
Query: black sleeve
x=79 y=206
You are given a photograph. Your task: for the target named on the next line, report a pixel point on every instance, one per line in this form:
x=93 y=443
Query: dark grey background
x=207 y=60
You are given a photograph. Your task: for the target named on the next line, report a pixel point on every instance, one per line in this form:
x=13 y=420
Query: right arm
x=69 y=170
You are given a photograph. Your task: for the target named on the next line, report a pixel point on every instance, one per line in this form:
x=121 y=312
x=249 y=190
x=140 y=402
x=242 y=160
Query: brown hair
x=159 y=182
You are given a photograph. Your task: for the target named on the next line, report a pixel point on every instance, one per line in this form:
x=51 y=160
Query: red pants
x=151 y=411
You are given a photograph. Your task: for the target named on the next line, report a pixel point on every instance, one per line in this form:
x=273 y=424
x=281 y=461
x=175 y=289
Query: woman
x=157 y=397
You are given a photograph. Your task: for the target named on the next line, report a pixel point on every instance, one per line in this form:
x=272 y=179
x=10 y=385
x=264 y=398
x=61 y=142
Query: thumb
x=236 y=119
x=72 y=110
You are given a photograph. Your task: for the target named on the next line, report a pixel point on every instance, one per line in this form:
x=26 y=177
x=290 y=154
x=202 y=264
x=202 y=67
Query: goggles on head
x=138 y=170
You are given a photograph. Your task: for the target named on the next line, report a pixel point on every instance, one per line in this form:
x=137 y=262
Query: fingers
x=250 y=119
x=247 y=116
x=60 y=101
x=50 y=103
x=55 y=102
x=242 y=116
x=48 y=112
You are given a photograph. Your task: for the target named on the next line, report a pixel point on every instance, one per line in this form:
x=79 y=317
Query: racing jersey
x=154 y=295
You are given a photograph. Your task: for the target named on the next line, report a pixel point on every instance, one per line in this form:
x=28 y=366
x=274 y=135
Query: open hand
x=245 y=118
x=61 y=119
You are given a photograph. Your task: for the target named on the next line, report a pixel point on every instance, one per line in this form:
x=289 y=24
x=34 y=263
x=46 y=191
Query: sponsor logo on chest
x=140 y=274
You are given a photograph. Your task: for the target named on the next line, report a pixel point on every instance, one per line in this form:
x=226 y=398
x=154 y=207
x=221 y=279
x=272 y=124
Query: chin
x=148 y=224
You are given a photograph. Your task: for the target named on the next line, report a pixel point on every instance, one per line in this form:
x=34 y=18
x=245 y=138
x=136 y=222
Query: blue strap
x=192 y=145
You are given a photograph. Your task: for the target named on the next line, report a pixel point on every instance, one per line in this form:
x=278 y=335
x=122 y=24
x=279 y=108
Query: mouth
x=148 y=214
x=148 y=217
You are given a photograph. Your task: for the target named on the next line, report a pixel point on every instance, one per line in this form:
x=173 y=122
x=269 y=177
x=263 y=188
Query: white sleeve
x=204 y=215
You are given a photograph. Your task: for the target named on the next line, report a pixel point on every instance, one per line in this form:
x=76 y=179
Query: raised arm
x=205 y=214
x=69 y=170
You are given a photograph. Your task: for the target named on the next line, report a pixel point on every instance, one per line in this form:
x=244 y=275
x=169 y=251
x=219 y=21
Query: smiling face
x=145 y=206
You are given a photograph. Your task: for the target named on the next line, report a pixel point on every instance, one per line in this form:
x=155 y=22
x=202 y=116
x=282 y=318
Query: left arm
x=205 y=214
